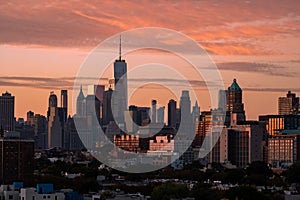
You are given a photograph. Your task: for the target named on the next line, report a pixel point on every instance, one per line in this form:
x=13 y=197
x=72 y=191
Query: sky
x=44 y=43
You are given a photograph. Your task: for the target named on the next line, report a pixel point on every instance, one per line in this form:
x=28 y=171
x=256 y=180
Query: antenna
x=120 y=48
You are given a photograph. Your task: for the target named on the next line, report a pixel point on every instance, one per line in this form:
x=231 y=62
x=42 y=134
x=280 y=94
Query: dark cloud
x=253 y=67
x=42 y=82
x=281 y=90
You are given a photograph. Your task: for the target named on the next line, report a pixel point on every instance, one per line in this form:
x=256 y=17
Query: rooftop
x=234 y=86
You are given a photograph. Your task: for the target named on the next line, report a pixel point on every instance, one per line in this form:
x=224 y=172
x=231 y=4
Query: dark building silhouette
x=64 y=102
x=107 y=115
x=39 y=124
x=140 y=115
x=153 y=111
x=7 y=111
x=172 y=113
x=56 y=117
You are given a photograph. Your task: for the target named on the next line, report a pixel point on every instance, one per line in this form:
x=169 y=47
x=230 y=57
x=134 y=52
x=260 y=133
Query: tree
x=243 y=192
x=293 y=173
x=169 y=190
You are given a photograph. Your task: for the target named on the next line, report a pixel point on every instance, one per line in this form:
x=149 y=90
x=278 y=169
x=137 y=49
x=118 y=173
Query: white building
x=32 y=194
x=8 y=192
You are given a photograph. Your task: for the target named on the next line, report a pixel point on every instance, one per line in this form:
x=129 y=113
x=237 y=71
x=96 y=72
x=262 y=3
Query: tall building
x=80 y=104
x=172 y=115
x=7 y=111
x=16 y=159
x=72 y=140
x=222 y=100
x=55 y=126
x=107 y=114
x=64 y=102
x=196 y=115
x=186 y=120
x=288 y=105
x=209 y=120
x=94 y=101
x=153 y=111
x=161 y=115
x=242 y=143
x=120 y=76
x=234 y=103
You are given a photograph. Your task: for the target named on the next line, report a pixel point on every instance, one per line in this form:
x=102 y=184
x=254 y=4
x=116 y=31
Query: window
x=10 y=196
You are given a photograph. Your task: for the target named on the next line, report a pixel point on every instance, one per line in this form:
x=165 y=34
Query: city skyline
x=36 y=61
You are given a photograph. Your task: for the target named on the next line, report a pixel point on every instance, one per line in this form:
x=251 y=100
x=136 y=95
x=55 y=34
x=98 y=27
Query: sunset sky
x=44 y=43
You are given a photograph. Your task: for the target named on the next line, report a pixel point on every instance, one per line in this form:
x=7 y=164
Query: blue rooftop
x=234 y=86
x=44 y=188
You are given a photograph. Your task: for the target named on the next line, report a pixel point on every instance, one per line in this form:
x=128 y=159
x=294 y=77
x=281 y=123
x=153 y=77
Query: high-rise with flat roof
x=172 y=115
x=7 y=111
x=288 y=105
x=16 y=159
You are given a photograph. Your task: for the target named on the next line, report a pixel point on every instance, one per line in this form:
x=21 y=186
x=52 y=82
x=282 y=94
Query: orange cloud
x=107 y=21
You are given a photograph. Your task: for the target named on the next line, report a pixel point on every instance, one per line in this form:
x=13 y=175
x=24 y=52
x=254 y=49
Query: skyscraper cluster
x=220 y=135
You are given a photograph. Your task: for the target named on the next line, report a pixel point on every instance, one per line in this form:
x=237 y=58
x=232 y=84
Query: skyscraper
x=161 y=115
x=7 y=111
x=172 y=114
x=185 y=112
x=288 y=105
x=234 y=102
x=120 y=76
x=55 y=128
x=64 y=102
x=222 y=100
x=107 y=115
x=153 y=111
x=80 y=104
x=94 y=100
x=196 y=115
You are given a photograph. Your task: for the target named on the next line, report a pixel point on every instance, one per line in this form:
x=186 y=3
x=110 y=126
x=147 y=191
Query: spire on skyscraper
x=120 y=49
x=80 y=95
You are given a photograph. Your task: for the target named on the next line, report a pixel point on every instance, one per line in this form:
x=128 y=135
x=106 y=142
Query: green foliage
x=169 y=190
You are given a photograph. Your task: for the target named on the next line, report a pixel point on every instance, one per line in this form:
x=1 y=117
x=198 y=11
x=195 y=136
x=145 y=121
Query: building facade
x=16 y=159
x=288 y=105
